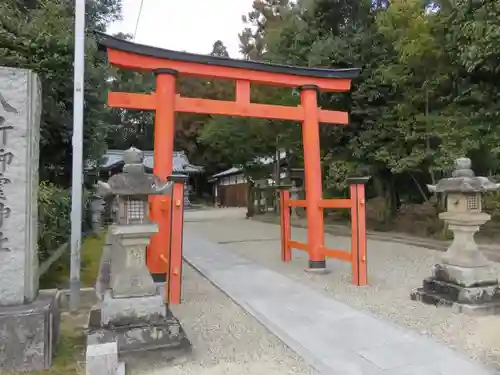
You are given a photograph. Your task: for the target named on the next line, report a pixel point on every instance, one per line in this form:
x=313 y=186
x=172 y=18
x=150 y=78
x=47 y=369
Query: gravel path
x=394 y=270
x=225 y=339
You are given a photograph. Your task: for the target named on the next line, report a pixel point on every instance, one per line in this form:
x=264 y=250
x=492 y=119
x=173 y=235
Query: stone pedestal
x=28 y=321
x=132 y=311
x=136 y=324
x=28 y=334
x=465 y=279
x=129 y=274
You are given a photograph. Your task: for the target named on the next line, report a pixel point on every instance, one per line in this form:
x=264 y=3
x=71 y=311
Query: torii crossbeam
x=169 y=64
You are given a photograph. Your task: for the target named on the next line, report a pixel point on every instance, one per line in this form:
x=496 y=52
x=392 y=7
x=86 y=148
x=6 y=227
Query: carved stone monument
x=465 y=278
x=131 y=309
x=28 y=320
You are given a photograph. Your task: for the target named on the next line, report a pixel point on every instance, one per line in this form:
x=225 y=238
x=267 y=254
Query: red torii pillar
x=164 y=133
x=167 y=64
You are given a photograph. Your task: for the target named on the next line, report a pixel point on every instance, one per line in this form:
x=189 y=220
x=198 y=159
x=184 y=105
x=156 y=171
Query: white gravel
x=394 y=270
x=225 y=339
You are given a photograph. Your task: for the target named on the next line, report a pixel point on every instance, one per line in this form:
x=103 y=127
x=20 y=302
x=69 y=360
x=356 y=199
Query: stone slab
x=458 y=293
x=466 y=276
x=333 y=337
x=168 y=336
x=20 y=112
x=102 y=359
x=432 y=298
x=28 y=334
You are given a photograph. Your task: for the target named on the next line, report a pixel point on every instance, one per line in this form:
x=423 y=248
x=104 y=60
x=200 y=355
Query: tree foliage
x=39 y=35
x=428 y=92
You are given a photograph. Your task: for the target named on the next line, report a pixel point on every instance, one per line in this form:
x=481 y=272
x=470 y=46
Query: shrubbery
x=54 y=218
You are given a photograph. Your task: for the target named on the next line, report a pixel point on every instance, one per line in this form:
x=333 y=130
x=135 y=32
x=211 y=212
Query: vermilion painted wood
x=312 y=172
x=175 y=270
x=363 y=262
x=286 y=227
x=243 y=92
x=133 y=61
x=357 y=255
x=227 y=108
x=354 y=236
x=297 y=203
x=330 y=253
x=337 y=254
x=298 y=245
x=336 y=203
x=164 y=141
x=282 y=224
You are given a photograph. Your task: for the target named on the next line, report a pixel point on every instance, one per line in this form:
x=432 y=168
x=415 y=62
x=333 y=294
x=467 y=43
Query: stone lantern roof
x=134 y=180
x=463 y=180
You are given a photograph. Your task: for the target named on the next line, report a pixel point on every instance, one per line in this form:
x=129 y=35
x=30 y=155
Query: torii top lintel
x=128 y=55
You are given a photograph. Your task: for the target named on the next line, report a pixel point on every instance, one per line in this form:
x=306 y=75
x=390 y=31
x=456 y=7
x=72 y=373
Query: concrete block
x=28 y=334
x=102 y=359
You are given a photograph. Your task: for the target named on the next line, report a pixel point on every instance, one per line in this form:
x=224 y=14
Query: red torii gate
x=168 y=65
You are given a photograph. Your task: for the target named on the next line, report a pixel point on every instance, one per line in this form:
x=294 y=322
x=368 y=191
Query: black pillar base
x=159 y=277
x=317 y=266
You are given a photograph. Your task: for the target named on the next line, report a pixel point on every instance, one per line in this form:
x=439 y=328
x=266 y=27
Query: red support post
x=286 y=251
x=313 y=180
x=358 y=230
x=174 y=278
x=361 y=207
x=354 y=236
x=163 y=158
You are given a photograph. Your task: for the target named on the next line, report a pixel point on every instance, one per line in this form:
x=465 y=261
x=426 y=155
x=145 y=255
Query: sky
x=185 y=25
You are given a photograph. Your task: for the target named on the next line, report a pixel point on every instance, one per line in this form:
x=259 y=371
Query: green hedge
x=54 y=218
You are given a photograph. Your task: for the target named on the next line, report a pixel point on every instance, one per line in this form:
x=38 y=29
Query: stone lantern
x=132 y=229
x=131 y=308
x=465 y=278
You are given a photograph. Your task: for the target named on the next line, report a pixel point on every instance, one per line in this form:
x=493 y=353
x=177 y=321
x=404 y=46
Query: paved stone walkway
x=333 y=337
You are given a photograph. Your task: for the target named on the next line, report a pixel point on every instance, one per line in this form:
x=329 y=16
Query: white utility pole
x=77 y=171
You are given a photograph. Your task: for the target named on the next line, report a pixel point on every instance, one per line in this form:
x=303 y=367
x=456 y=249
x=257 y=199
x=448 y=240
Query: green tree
x=38 y=35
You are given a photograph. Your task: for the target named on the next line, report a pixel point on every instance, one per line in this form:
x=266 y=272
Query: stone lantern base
x=465 y=279
x=136 y=323
x=475 y=291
